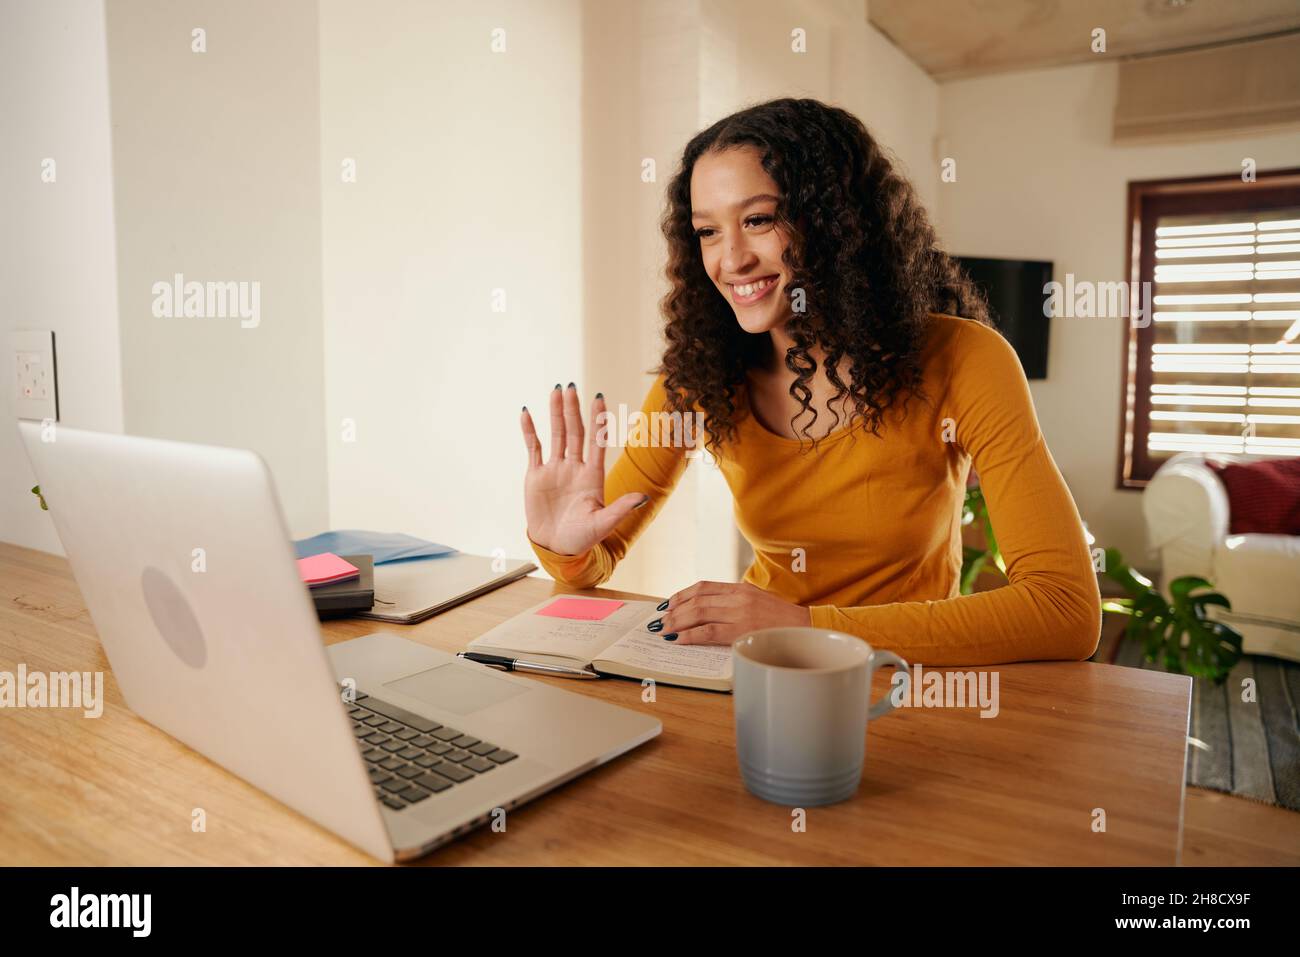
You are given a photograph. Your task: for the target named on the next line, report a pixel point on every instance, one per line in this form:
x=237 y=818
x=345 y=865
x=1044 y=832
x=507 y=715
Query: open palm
x=564 y=498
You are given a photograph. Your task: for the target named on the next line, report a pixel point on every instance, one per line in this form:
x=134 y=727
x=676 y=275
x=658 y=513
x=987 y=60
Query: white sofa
x=1186 y=510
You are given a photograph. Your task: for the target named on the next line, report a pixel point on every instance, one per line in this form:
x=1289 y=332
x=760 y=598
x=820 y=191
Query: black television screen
x=1015 y=291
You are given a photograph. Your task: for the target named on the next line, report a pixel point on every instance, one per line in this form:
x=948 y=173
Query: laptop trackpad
x=456 y=688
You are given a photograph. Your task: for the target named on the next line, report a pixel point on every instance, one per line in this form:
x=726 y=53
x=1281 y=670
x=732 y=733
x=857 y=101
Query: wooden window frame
x=1148 y=200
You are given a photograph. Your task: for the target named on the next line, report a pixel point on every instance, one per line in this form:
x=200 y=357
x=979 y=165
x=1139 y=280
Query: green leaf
x=1179 y=633
x=974 y=560
x=992 y=542
x=972 y=564
x=1118 y=571
x=1179 y=587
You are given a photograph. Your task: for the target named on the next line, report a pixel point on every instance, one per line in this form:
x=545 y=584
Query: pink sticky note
x=584 y=609
x=325 y=568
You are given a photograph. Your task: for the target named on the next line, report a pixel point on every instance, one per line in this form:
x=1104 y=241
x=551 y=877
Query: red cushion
x=1263 y=497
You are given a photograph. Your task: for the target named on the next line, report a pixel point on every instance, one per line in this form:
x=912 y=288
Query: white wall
x=57 y=265
x=529 y=181
x=895 y=98
x=468 y=179
x=526 y=179
x=1038 y=178
x=641 y=101
x=376 y=295
x=216 y=160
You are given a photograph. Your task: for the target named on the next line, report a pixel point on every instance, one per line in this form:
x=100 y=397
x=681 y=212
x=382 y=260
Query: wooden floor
x=1220 y=830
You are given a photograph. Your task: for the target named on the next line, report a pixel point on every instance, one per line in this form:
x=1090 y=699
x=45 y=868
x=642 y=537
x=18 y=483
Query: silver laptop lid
x=185 y=564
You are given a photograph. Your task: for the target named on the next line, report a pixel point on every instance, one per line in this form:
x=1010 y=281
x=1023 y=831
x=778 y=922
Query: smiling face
x=733 y=207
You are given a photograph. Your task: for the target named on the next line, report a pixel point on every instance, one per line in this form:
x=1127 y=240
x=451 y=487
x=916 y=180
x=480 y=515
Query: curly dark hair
x=861 y=249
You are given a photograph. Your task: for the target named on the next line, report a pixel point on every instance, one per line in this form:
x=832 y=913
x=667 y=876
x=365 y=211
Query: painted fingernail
x=557 y=385
x=656 y=625
x=600 y=395
x=524 y=409
x=662 y=606
x=642 y=502
x=672 y=637
x=570 y=385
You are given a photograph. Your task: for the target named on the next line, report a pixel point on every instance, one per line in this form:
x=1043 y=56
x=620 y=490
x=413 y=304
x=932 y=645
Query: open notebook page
x=642 y=651
x=536 y=637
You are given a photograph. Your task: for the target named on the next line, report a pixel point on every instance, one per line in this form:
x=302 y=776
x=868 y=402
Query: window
x=1214 y=365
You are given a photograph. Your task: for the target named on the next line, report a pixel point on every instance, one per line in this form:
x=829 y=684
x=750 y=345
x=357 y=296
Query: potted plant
x=1179 y=633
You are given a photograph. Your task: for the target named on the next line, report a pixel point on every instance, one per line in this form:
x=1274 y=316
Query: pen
x=529 y=667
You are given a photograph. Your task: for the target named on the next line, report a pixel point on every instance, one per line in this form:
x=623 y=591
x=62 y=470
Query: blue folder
x=383 y=546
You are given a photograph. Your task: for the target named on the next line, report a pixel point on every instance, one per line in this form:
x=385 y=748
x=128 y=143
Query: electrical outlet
x=35 y=375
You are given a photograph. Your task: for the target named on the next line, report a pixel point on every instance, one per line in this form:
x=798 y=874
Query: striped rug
x=1249 y=748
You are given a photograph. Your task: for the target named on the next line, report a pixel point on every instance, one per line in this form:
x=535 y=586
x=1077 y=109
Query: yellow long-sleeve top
x=879 y=518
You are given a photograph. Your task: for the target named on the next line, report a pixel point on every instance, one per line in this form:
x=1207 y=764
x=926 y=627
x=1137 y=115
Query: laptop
x=185 y=563
x=408 y=592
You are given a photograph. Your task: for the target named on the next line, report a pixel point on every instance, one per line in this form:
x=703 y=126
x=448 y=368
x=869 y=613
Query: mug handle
x=886 y=704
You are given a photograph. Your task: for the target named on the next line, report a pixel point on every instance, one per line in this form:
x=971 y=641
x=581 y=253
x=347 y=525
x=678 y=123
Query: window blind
x=1225 y=348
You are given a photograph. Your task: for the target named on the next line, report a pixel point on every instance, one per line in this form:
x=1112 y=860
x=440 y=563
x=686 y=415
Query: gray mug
x=802 y=699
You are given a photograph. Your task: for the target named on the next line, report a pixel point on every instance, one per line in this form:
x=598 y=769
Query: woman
x=807 y=284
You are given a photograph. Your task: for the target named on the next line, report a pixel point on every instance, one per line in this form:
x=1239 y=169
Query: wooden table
x=942 y=786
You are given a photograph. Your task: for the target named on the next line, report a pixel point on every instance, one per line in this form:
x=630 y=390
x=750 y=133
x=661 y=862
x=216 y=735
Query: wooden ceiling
x=953 y=39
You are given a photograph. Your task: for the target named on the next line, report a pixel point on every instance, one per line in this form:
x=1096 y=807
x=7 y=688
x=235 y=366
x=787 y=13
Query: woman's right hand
x=564 y=499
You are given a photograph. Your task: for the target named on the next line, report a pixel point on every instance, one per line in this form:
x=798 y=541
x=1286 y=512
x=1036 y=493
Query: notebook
x=410 y=591
x=609 y=637
x=346 y=598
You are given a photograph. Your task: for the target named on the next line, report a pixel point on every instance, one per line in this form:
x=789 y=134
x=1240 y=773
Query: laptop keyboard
x=411 y=758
